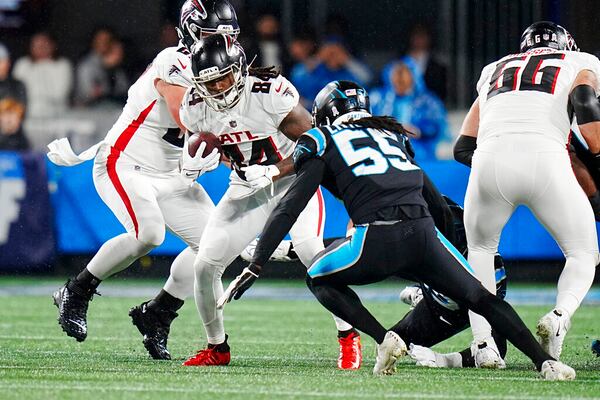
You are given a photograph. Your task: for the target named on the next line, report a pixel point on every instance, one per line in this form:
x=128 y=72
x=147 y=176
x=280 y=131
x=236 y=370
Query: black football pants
x=412 y=250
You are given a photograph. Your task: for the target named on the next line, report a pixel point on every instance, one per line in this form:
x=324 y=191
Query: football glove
x=240 y=284
x=193 y=167
x=260 y=176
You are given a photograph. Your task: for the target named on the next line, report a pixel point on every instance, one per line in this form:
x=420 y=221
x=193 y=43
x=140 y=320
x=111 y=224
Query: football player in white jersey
x=516 y=134
x=137 y=174
x=257 y=117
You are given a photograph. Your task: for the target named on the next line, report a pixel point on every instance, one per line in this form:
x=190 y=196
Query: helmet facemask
x=228 y=98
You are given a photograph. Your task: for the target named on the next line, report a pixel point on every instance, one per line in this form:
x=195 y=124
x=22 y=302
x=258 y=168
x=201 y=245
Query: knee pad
x=151 y=235
x=213 y=246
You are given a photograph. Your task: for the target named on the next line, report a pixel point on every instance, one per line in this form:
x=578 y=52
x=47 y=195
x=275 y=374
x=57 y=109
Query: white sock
x=483 y=266
x=117 y=254
x=575 y=281
x=181 y=279
x=207 y=289
x=341 y=324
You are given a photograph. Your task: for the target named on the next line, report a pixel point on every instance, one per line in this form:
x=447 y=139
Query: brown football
x=212 y=142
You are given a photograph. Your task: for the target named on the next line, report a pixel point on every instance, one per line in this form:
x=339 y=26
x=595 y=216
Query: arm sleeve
x=464 y=148
x=289 y=208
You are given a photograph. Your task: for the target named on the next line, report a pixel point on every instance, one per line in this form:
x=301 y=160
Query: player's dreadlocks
x=264 y=73
x=383 y=123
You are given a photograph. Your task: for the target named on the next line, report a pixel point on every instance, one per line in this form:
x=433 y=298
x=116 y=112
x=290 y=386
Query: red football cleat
x=208 y=357
x=350 y=351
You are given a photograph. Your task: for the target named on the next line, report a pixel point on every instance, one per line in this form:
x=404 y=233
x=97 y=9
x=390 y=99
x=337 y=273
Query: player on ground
x=519 y=125
x=137 y=175
x=256 y=114
x=361 y=159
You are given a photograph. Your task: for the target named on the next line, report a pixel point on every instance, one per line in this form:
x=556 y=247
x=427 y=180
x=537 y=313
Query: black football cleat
x=596 y=347
x=154 y=325
x=72 y=302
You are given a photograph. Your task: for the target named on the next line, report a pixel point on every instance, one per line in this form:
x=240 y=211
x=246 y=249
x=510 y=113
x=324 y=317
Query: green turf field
x=280 y=349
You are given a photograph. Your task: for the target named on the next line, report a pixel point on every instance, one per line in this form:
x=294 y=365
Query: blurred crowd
x=42 y=87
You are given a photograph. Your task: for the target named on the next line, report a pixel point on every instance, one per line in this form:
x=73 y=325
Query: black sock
x=221 y=347
x=468 y=361
x=292 y=253
x=165 y=301
x=342 y=334
x=595 y=202
x=87 y=281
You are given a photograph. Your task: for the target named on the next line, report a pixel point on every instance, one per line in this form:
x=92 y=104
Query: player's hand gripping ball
x=201 y=153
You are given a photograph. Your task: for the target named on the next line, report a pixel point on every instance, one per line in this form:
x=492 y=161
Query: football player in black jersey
x=362 y=160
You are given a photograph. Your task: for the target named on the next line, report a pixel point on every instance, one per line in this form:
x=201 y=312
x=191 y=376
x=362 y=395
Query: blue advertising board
x=26 y=225
x=83 y=222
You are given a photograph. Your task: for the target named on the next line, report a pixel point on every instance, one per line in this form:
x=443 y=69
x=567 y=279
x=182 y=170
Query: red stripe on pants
x=115 y=153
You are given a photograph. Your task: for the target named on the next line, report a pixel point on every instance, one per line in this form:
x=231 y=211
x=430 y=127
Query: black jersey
x=369 y=169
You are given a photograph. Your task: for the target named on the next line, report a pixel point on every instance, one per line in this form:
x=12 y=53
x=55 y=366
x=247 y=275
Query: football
x=212 y=142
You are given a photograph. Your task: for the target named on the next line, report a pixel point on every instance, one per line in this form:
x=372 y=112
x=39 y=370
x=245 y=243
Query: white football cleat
x=424 y=356
x=411 y=295
x=486 y=355
x=388 y=352
x=551 y=330
x=556 y=371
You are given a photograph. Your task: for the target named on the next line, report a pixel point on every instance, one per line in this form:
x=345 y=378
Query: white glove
x=411 y=295
x=193 y=167
x=424 y=356
x=260 y=176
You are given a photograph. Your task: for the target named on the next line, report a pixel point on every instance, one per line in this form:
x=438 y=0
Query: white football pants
x=231 y=227
x=147 y=203
x=519 y=169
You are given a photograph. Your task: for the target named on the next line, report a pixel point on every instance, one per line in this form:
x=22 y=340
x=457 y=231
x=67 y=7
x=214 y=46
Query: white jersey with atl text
x=146 y=133
x=249 y=132
x=528 y=93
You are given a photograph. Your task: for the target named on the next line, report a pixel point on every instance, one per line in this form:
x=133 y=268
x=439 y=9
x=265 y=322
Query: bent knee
x=151 y=236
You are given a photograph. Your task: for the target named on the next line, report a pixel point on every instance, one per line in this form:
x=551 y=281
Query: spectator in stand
x=47 y=78
x=420 y=53
x=302 y=50
x=334 y=63
x=12 y=113
x=405 y=97
x=100 y=75
x=10 y=87
x=268 y=46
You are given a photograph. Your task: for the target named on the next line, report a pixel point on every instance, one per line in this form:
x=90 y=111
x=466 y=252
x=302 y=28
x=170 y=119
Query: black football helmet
x=547 y=34
x=340 y=99
x=213 y=58
x=201 y=18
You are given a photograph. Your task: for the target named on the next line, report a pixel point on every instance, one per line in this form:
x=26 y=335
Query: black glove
x=240 y=284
